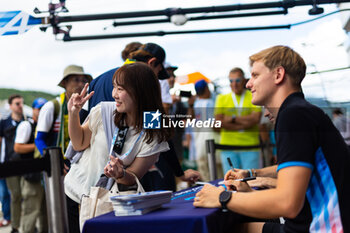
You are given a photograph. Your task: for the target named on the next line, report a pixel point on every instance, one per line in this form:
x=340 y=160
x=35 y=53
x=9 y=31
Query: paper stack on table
x=138 y=204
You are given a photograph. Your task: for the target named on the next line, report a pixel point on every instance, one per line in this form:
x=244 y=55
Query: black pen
x=202 y=183
x=230 y=163
x=246 y=179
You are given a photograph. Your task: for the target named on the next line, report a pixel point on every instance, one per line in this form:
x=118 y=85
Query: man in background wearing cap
x=52 y=128
x=240 y=119
x=165 y=86
x=8 y=128
x=171 y=71
x=33 y=195
x=102 y=85
x=177 y=107
x=154 y=56
x=202 y=109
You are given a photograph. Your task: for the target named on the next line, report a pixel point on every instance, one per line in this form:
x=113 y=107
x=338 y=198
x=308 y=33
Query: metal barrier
x=211 y=159
x=55 y=197
x=211 y=147
x=52 y=165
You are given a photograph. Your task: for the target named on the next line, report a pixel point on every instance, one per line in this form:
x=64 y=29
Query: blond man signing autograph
x=312 y=191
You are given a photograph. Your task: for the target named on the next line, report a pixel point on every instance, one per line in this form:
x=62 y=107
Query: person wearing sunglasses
x=240 y=119
x=129 y=149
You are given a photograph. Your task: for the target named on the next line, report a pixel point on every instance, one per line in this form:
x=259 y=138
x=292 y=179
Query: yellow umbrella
x=191 y=78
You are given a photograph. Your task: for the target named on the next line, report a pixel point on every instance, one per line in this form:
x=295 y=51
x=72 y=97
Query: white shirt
x=164 y=87
x=46 y=118
x=23 y=132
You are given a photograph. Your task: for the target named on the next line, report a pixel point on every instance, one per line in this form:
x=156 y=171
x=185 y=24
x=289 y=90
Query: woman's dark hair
x=140 y=82
x=129 y=48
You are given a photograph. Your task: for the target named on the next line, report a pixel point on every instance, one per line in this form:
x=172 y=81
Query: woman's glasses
x=119 y=142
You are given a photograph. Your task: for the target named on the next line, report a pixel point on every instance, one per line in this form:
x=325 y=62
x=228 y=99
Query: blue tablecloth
x=178 y=216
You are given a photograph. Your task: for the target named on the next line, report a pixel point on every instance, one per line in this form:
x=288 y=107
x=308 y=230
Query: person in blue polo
x=313 y=188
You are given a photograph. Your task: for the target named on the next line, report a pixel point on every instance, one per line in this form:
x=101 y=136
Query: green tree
x=28 y=96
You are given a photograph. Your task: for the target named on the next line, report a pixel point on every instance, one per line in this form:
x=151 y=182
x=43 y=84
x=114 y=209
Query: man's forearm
x=232 y=126
x=249 y=120
x=236 y=124
x=22 y=148
x=267 y=171
x=286 y=200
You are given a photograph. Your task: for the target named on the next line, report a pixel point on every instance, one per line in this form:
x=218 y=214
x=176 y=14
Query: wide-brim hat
x=159 y=53
x=74 y=70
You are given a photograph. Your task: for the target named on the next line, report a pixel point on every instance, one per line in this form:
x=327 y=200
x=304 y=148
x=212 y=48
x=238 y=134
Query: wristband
x=250 y=172
x=254 y=172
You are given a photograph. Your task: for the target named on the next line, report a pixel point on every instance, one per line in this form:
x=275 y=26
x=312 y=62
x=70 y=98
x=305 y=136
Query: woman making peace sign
x=133 y=149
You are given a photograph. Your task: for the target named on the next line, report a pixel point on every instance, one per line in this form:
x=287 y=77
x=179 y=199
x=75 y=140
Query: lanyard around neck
x=239 y=106
x=123 y=156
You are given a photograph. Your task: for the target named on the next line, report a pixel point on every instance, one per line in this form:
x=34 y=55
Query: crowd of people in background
x=22 y=197
x=98 y=124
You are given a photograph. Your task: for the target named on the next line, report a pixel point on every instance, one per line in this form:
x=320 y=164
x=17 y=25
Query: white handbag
x=98 y=201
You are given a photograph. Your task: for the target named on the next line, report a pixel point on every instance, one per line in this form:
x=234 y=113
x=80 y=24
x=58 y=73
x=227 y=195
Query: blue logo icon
x=151 y=120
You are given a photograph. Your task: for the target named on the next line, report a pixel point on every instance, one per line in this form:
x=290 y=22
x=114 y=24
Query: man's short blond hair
x=284 y=56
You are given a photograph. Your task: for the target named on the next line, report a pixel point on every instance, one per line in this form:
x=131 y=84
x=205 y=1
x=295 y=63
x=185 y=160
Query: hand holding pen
x=237 y=185
x=236 y=174
x=236 y=180
x=245 y=179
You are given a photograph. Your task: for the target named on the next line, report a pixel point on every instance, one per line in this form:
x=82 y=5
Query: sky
x=35 y=60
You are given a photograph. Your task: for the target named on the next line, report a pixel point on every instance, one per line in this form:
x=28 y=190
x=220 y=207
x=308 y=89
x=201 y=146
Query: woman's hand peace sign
x=77 y=101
